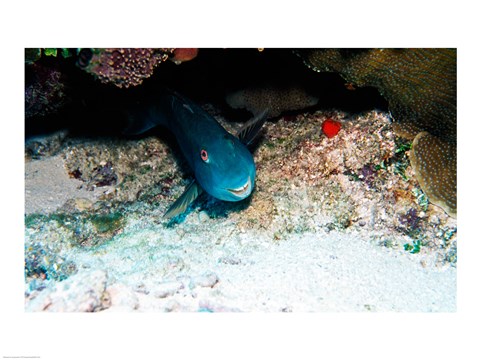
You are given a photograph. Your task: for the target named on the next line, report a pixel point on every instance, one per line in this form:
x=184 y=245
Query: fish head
x=225 y=169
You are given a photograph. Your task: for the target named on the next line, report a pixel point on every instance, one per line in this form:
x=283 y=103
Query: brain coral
x=435 y=165
x=276 y=99
x=122 y=67
x=421 y=88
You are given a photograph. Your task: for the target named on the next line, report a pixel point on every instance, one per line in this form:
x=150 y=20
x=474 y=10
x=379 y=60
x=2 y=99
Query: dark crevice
x=95 y=109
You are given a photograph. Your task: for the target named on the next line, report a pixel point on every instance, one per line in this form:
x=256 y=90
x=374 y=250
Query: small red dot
x=331 y=127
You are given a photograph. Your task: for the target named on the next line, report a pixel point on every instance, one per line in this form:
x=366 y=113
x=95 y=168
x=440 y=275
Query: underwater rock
x=209 y=279
x=168 y=288
x=45 y=90
x=122 y=67
x=420 y=86
x=82 y=292
x=435 y=165
x=276 y=99
x=121 y=298
x=103 y=175
x=41 y=146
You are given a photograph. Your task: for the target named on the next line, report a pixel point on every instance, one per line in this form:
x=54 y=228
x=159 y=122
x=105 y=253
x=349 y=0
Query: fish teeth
x=241 y=190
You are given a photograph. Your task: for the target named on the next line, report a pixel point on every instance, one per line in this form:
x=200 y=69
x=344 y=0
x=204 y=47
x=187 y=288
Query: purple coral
x=410 y=219
x=122 y=67
x=103 y=175
x=368 y=174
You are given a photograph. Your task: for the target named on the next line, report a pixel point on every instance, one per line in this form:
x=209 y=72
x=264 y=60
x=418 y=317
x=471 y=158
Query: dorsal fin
x=247 y=132
x=151 y=111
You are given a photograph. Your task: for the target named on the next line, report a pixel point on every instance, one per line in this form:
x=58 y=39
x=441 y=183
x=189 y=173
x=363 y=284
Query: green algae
x=36 y=220
x=32 y=55
x=145 y=169
x=399 y=161
x=50 y=240
x=421 y=198
x=414 y=247
x=85 y=229
x=50 y=52
x=109 y=223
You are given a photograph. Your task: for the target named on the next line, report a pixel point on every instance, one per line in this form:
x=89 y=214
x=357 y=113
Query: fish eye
x=204 y=155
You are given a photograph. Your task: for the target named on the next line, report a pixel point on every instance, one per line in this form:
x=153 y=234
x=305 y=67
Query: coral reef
x=420 y=86
x=45 y=90
x=116 y=253
x=277 y=99
x=122 y=67
x=134 y=177
x=435 y=165
x=338 y=214
x=359 y=179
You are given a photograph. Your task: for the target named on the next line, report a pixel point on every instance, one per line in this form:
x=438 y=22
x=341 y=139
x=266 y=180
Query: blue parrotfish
x=222 y=164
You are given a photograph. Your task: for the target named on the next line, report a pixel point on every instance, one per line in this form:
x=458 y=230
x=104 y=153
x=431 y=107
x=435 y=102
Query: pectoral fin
x=251 y=129
x=192 y=191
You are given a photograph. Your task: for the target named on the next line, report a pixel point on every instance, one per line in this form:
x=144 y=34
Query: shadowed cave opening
x=95 y=109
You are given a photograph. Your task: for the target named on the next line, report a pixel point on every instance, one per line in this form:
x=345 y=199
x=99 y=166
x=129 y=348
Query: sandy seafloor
x=296 y=259
x=311 y=272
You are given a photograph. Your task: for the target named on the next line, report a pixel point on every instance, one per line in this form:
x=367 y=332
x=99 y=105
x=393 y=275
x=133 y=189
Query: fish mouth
x=242 y=191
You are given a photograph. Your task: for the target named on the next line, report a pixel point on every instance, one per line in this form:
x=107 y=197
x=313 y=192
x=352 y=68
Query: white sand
x=178 y=270
x=48 y=186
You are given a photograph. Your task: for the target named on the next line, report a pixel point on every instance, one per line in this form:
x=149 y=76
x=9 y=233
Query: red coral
x=331 y=127
x=183 y=54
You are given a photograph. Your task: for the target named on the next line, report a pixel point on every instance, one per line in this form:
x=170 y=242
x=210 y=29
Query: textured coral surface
x=435 y=164
x=421 y=88
x=125 y=67
x=420 y=84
